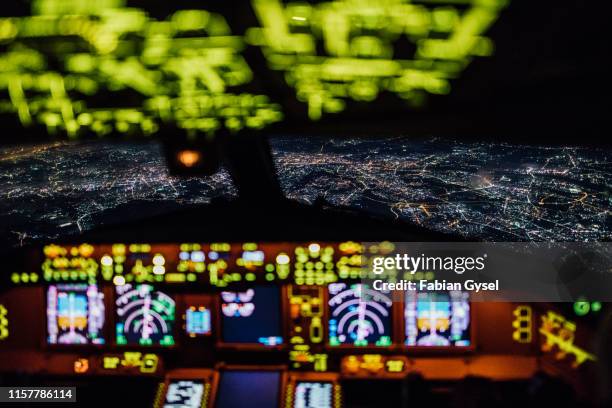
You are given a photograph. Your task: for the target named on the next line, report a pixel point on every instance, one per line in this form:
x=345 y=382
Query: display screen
x=359 y=315
x=184 y=394
x=75 y=314
x=144 y=316
x=313 y=395
x=238 y=389
x=437 y=319
x=252 y=316
x=197 y=321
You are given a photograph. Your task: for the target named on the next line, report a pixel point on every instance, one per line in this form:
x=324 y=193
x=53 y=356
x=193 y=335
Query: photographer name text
x=436 y=285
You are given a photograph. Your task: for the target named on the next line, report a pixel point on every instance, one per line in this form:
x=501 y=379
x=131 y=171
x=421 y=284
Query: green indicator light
x=147 y=342
x=596 y=306
x=581 y=307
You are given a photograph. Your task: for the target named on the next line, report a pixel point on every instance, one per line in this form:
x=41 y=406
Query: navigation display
x=359 y=316
x=252 y=316
x=144 y=316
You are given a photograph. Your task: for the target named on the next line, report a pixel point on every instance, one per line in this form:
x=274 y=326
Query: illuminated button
x=106 y=260
x=119 y=280
x=582 y=307
x=282 y=259
x=314 y=247
x=158 y=259
x=351 y=364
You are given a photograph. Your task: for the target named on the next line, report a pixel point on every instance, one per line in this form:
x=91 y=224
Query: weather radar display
x=75 y=314
x=145 y=316
x=359 y=315
x=438 y=319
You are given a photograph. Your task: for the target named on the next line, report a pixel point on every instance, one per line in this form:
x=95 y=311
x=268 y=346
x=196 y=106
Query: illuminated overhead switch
x=185 y=73
x=395 y=366
x=334 y=52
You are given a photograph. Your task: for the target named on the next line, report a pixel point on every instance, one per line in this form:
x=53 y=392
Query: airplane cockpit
x=192 y=194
